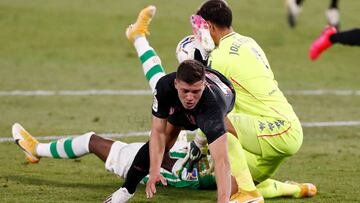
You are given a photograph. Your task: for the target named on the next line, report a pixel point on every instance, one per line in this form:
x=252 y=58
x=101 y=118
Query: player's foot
x=201 y=32
x=306 y=189
x=293 y=12
x=247 y=197
x=26 y=142
x=119 y=196
x=333 y=17
x=140 y=27
x=321 y=43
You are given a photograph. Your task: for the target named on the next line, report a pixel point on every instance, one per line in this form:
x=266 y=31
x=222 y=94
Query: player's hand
x=194 y=154
x=192 y=157
x=150 y=185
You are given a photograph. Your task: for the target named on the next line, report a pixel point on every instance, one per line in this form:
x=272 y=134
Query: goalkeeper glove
x=194 y=155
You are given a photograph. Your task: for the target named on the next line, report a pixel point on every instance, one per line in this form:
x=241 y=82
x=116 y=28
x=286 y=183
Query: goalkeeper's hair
x=190 y=71
x=217 y=12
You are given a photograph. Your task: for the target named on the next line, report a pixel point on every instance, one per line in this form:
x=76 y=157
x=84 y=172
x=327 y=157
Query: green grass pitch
x=80 y=45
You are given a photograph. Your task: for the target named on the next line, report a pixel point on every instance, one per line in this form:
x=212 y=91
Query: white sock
x=68 y=148
x=150 y=61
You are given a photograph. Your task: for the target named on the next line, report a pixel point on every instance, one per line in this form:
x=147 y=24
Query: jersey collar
x=228 y=35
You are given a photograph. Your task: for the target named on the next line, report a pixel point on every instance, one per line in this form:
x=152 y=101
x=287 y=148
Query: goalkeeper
x=265 y=123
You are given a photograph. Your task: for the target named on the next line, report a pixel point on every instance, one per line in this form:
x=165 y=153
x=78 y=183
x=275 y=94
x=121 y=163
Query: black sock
x=334 y=4
x=350 y=37
x=138 y=169
x=299 y=2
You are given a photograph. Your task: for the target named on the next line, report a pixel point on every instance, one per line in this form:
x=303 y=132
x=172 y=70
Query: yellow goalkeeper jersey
x=244 y=63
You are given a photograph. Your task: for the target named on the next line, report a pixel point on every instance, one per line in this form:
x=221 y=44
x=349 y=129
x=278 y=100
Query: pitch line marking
x=144 y=133
x=73 y=92
x=148 y=92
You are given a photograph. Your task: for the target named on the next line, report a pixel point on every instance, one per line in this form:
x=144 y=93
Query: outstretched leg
x=150 y=61
x=348 y=37
x=68 y=148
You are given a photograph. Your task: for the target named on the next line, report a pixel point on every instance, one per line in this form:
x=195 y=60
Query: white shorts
x=121 y=156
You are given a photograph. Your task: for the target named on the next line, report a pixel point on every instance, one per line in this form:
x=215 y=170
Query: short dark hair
x=217 y=12
x=190 y=71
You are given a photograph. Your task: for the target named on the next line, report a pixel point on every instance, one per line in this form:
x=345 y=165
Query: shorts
x=121 y=156
x=267 y=142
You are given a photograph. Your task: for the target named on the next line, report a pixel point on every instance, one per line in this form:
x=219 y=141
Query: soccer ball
x=187 y=47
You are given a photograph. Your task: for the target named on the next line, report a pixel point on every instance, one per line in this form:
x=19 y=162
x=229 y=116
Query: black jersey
x=216 y=101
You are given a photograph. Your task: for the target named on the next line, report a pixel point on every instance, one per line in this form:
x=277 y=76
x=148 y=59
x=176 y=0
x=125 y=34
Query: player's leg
x=265 y=154
x=150 y=61
x=294 y=8
x=330 y=36
x=263 y=168
x=267 y=137
x=241 y=177
x=348 y=37
x=68 y=148
x=246 y=190
x=334 y=4
x=141 y=165
x=100 y=146
x=270 y=140
x=332 y=14
x=271 y=188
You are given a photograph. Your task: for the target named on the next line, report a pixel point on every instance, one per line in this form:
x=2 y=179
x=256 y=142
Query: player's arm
x=157 y=149
x=218 y=150
x=229 y=126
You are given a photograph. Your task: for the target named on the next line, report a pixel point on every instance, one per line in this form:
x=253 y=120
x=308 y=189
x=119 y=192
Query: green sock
x=150 y=61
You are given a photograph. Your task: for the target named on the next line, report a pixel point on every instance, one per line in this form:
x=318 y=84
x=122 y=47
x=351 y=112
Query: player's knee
x=290 y=150
x=93 y=139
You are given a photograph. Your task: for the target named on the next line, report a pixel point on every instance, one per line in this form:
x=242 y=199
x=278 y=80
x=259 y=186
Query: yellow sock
x=271 y=188
x=239 y=167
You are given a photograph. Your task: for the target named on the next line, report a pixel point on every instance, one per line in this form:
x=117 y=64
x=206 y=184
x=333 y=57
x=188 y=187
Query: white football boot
x=119 y=196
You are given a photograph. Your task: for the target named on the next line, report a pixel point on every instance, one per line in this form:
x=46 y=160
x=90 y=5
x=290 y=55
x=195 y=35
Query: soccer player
x=189 y=99
x=117 y=156
x=331 y=36
x=332 y=13
x=266 y=125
